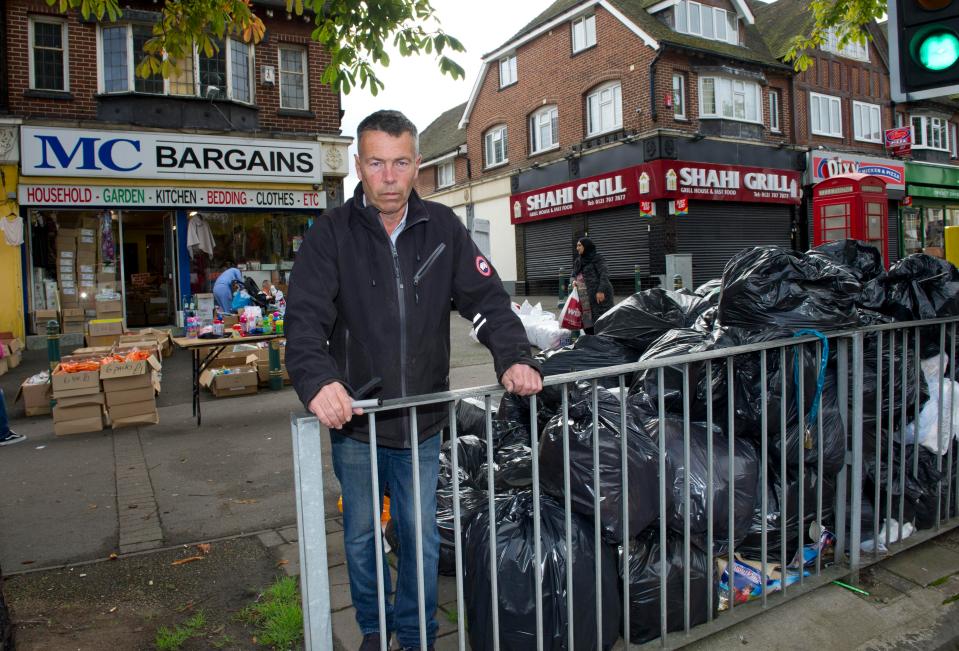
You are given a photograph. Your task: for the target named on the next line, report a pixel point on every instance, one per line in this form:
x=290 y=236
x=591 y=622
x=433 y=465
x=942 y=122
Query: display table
x=212 y=348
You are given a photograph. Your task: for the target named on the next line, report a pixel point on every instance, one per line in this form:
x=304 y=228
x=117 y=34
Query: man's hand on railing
x=333 y=406
x=522 y=380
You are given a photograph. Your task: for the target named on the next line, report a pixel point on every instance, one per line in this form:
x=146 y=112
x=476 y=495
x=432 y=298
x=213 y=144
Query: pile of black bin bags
x=765 y=293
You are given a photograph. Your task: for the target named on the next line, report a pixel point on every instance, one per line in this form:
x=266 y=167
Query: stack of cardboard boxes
x=104 y=332
x=67 y=268
x=41 y=317
x=131 y=389
x=87 y=262
x=11 y=350
x=72 y=320
x=79 y=402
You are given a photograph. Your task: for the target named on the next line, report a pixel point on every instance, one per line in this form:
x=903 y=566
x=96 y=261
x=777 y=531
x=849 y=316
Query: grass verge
x=277 y=616
x=171 y=639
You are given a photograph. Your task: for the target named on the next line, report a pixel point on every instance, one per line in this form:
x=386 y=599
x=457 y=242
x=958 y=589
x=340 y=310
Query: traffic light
x=923 y=48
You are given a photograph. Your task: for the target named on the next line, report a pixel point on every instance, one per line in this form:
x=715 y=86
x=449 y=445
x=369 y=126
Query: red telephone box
x=852 y=206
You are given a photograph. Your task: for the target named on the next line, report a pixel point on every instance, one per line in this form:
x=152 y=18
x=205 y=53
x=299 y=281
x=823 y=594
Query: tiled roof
x=782 y=21
x=443 y=135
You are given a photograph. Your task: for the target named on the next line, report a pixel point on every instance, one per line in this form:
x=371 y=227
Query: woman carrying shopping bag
x=591 y=280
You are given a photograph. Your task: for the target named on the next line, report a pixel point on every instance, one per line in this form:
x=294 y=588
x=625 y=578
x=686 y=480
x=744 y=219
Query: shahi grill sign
x=712 y=182
x=583 y=195
x=52 y=151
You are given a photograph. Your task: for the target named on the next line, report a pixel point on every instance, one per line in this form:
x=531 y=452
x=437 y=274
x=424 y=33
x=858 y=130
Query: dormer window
x=702 y=20
x=507 y=71
x=851 y=50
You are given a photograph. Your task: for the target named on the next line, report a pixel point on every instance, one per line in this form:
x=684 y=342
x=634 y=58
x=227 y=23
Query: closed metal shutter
x=893 y=232
x=622 y=237
x=548 y=247
x=715 y=231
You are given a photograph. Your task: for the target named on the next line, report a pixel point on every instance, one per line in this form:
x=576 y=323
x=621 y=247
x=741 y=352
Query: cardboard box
x=128 y=369
x=109 y=306
x=36 y=398
x=230 y=320
x=78 y=426
x=163 y=338
x=263 y=373
x=151 y=418
x=149 y=346
x=83 y=382
x=40 y=318
x=13 y=360
x=242 y=379
x=133 y=409
x=101 y=327
x=132 y=382
x=101 y=340
x=95 y=351
x=3 y=366
x=81 y=401
x=79 y=412
x=204 y=306
x=86 y=256
x=72 y=314
x=73 y=328
x=129 y=396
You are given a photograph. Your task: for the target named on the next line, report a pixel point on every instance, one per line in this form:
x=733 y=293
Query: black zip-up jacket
x=358 y=309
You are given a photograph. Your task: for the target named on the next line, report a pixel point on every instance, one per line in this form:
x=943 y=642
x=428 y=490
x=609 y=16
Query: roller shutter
x=548 y=247
x=893 y=232
x=622 y=237
x=715 y=231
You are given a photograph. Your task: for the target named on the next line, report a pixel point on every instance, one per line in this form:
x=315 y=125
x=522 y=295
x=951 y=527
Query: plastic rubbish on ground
x=919 y=490
x=642 y=465
x=745 y=473
x=766 y=287
x=895 y=531
x=919 y=286
x=710 y=289
x=586 y=353
x=645 y=572
x=516 y=579
x=643 y=318
x=542 y=328
x=929 y=414
x=749 y=582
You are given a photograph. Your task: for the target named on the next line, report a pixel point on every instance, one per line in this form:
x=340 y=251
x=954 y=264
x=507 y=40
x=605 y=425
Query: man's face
x=387 y=167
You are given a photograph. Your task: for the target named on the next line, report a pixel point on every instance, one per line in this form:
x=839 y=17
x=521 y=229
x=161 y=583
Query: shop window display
x=261 y=245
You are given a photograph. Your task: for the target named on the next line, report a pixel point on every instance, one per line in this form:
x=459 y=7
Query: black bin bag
x=768 y=286
x=515 y=572
x=585 y=354
x=680 y=341
x=745 y=466
x=645 y=572
x=920 y=286
x=470 y=456
x=642 y=465
x=471 y=417
x=643 y=318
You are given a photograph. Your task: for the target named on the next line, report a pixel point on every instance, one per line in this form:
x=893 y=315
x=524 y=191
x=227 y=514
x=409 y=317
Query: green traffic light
x=939 y=50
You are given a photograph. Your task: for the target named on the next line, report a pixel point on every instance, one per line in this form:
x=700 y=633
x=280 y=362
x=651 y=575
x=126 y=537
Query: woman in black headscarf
x=592 y=281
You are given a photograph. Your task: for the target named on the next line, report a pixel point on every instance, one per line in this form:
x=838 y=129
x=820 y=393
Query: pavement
x=78 y=499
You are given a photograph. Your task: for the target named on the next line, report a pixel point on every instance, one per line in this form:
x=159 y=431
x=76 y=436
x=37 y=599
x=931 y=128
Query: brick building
x=228 y=160
x=650 y=102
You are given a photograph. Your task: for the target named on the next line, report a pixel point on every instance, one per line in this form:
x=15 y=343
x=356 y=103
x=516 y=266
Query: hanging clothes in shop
x=199 y=237
x=13 y=230
x=108 y=250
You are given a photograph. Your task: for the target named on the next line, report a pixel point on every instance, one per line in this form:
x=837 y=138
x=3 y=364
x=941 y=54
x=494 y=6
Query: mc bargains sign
x=51 y=151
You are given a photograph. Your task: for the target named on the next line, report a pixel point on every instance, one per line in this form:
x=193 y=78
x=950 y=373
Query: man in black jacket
x=369 y=299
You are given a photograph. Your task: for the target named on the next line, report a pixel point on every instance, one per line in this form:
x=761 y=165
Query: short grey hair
x=391 y=122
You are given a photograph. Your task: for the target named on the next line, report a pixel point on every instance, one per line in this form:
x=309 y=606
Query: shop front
x=822 y=165
x=151 y=219
x=933 y=204
x=640 y=214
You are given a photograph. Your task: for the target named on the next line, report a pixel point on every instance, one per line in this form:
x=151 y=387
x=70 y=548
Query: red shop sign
x=582 y=195
x=663 y=179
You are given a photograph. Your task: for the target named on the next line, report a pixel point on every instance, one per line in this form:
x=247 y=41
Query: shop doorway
x=149 y=267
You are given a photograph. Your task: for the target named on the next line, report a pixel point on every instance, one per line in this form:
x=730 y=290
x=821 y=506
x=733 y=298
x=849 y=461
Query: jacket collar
x=369 y=216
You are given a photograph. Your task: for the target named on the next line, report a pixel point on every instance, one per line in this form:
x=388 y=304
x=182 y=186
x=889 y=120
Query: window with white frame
x=544 y=129
x=702 y=20
x=774 y=123
x=604 y=109
x=930 y=133
x=731 y=99
x=49 y=54
x=825 y=115
x=867 y=122
x=507 y=71
x=584 y=33
x=851 y=50
x=121 y=48
x=953 y=145
x=444 y=174
x=496 y=146
x=293 y=86
x=679 y=95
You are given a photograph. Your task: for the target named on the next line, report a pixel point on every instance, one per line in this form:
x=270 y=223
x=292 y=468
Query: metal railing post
x=311 y=531
x=855 y=514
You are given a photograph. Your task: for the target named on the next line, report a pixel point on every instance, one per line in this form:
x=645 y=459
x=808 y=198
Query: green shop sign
x=933 y=192
x=932 y=175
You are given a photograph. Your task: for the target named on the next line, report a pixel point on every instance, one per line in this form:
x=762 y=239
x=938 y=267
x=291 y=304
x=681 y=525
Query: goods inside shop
x=765 y=294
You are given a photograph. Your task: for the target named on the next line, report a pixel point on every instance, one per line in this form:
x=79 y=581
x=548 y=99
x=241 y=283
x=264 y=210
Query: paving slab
x=924 y=564
x=271 y=539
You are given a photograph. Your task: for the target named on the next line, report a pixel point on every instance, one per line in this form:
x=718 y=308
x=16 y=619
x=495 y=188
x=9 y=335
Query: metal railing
x=833 y=434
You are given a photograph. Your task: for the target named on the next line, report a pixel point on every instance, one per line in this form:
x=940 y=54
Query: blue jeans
x=4 y=423
x=351 y=463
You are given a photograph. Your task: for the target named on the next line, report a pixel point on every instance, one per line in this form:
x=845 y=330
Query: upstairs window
x=774 y=123
x=444 y=174
x=930 y=133
x=825 y=115
x=496 y=146
x=544 y=130
x=49 y=55
x=708 y=22
x=679 y=96
x=731 y=99
x=866 y=122
x=507 y=71
x=851 y=50
x=584 y=33
x=293 y=87
x=604 y=109
x=121 y=48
